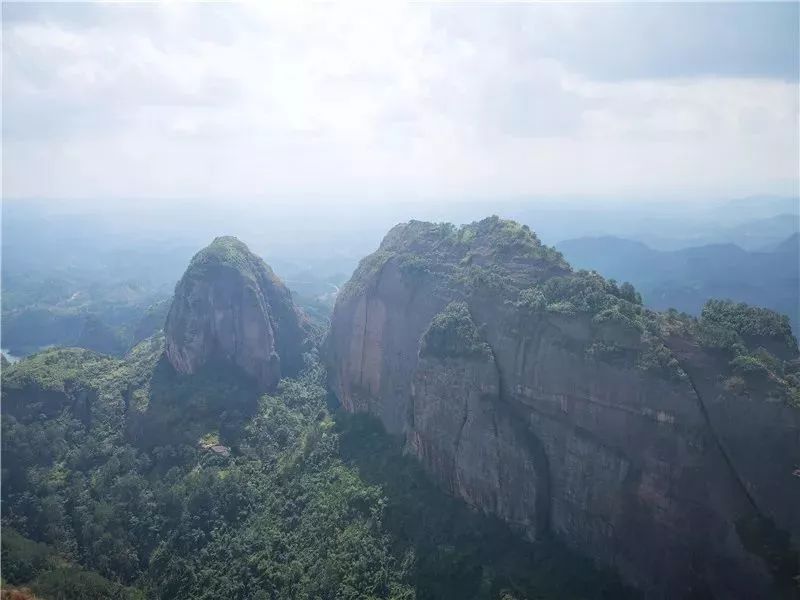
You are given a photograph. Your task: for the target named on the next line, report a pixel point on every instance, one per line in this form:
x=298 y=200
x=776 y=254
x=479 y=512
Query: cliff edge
x=661 y=445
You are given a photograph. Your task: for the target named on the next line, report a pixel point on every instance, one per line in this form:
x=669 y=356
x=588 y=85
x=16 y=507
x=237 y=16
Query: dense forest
x=122 y=479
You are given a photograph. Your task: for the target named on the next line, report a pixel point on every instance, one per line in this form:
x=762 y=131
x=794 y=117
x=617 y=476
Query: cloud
x=625 y=40
x=220 y=100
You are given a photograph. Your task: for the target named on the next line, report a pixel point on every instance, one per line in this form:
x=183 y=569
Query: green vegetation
x=49 y=575
x=225 y=250
x=281 y=516
x=453 y=334
x=230 y=252
x=114 y=486
x=129 y=502
x=748 y=322
x=493 y=253
x=23 y=559
x=622 y=331
x=588 y=292
x=71 y=310
x=509 y=239
x=56 y=369
x=415 y=267
x=689 y=277
x=475 y=278
x=759 y=345
x=67 y=582
x=505 y=261
x=657 y=358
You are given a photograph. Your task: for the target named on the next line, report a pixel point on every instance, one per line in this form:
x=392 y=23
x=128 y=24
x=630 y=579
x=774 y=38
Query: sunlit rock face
x=555 y=401
x=230 y=306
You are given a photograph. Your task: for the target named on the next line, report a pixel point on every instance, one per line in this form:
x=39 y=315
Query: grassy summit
x=491 y=250
x=224 y=249
x=229 y=251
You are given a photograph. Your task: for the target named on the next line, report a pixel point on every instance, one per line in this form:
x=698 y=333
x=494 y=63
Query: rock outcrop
x=229 y=306
x=663 y=446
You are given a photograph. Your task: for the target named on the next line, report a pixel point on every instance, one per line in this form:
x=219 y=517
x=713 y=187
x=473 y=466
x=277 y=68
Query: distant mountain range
x=685 y=279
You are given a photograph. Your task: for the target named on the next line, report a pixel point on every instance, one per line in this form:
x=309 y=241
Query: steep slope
x=229 y=306
x=554 y=400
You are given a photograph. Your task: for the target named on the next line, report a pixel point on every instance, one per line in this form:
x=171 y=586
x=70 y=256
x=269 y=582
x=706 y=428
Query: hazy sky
x=388 y=100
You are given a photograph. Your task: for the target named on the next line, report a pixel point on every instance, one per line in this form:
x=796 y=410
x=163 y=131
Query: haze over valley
x=118 y=265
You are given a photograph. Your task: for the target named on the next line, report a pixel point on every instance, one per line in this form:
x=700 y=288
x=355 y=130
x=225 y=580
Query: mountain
x=760 y=232
x=229 y=306
x=658 y=444
x=123 y=478
x=790 y=245
x=757 y=206
x=585 y=429
x=686 y=279
x=62 y=263
x=67 y=310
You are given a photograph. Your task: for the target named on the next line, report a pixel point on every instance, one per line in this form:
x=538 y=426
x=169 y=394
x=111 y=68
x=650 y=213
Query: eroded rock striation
x=661 y=445
x=230 y=306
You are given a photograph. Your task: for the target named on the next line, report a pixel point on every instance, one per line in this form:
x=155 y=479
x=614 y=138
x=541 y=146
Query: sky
x=389 y=100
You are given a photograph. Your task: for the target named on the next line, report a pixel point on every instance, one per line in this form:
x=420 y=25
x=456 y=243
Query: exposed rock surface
x=556 y=401
x=230 y=306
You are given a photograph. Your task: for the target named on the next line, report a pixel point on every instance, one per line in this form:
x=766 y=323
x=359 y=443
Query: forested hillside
x=122 y=479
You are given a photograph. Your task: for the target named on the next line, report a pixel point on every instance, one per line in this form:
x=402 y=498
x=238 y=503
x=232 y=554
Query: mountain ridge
x=686 y=279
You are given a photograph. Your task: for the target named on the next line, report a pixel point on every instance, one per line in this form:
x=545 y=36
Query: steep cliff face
x=230 y=306
x=556 y=401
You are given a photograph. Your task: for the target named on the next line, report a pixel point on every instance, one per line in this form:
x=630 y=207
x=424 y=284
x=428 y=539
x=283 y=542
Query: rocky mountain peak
x=229 y=306
x=553 y=399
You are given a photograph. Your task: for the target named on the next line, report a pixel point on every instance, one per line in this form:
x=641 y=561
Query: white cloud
x=368 y=101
